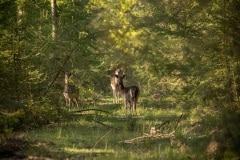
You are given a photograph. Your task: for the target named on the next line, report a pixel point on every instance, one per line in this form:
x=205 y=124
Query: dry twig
x=105 y=124
x=101 y=138
x=147 y=136
x=84 y=110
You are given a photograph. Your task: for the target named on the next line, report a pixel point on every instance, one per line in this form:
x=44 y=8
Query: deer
x=129 y=94
x=115 y=86
x=71 y=92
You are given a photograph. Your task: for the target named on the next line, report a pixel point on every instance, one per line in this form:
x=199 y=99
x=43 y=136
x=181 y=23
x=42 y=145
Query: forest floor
x=104 y=131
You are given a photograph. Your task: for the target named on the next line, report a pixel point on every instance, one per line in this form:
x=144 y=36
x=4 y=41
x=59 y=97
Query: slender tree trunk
x=17 y=69
x=54 y=18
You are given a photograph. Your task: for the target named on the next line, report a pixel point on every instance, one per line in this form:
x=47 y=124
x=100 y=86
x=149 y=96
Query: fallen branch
x=178 y=121
x=84 y=110
x=162 y=124
x=101 y=138
x=147 y=136
x=105 y=125
x=98 y=141
x=192 y=129
x=56 y=75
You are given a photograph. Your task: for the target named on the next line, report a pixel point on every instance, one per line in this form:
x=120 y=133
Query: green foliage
x=31 y=116
x=11 y=122
x=183 y=53
x=37 y=115
x=231 y=129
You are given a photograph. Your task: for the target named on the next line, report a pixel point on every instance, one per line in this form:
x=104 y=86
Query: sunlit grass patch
x=158 y=114
x=86 y=150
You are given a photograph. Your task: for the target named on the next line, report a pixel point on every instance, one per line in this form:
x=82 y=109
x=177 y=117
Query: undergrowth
x=104 y=131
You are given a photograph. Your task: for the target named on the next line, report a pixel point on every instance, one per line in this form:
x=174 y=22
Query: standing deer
x=71 y=92
x=129 y=94
x=115 y=86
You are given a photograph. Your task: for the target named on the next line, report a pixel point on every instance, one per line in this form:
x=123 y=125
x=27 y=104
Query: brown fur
x=115 y=86
x=71 y=92
x=130 y=95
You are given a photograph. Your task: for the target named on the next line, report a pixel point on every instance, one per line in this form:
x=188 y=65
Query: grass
x=81 y=136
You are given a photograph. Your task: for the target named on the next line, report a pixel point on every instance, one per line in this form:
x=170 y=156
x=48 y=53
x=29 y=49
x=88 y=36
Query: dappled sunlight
x=63 y=63
x=88 y=151
x=157 y=132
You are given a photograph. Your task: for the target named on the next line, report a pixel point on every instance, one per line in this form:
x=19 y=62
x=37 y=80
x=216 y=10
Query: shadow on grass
x=50 y=150
x=99 y=131
x=11 y=148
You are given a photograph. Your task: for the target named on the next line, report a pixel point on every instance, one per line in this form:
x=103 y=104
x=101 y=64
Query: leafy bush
x=37 y=115
x=11 y=121
x=29 y=117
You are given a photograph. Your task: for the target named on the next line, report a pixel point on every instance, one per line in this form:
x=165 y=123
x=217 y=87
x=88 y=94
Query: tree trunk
x=54 y=18
x=17 y=54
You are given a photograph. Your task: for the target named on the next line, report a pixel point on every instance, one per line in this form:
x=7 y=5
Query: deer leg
x=125 y=104
x=135 y=107
x=114 y=96
x=66 y=100
x=131 y=108
x=69 y=103
x=118 y=97
x=75 y=100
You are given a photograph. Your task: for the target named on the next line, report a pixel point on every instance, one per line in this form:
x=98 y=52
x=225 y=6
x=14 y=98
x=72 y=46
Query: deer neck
x=66 y=81
x=121 y=87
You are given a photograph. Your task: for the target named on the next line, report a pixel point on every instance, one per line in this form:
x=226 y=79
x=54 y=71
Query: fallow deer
x=115 y=86
x=129 y=94
x=71 y=92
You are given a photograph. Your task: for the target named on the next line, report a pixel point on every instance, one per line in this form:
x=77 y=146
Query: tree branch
x=105 y=125
x=56 y=75
x=92 y=109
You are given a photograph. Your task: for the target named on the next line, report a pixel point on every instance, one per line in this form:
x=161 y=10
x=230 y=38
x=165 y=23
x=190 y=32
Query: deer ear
x=68 y=74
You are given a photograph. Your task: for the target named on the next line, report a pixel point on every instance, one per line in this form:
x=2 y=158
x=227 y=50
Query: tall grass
x=81 y=137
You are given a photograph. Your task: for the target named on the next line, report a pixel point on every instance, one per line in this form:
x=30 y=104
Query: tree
x=54 y=18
